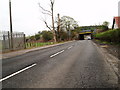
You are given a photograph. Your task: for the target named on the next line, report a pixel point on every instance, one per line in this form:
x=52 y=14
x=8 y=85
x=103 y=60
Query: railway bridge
x=85 y=34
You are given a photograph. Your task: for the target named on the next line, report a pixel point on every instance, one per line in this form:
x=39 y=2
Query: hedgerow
x=110 y=36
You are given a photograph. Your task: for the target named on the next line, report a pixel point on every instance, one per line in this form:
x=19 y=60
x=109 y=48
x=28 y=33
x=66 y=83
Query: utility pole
x=11 y=31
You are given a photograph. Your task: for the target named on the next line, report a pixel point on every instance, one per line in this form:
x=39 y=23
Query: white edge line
x=17 y=72
x=57 y=53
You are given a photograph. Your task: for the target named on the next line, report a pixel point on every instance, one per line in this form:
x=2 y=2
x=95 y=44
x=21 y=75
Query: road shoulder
x=111 y=59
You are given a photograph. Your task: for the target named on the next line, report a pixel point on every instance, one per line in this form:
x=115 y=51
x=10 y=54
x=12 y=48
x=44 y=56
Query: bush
x=37 y=36
x=32 y=38
x=47 y=35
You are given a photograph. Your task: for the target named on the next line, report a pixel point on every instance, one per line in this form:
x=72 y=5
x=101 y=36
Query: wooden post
x=11 y=32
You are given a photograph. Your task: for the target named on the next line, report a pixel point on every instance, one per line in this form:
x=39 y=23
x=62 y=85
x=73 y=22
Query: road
x=77 y=64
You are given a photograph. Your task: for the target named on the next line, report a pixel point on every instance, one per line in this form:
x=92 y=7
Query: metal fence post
x=24 y=42
x=9 y=39
x=3 y=49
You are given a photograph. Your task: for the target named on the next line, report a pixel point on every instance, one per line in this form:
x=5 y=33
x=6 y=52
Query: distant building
x=116 y=23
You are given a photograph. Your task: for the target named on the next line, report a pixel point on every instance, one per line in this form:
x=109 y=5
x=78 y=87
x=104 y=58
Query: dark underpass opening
x=85 y=36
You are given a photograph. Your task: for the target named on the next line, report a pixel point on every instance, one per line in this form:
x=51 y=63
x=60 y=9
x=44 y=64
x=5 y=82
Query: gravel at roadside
x=111 y=54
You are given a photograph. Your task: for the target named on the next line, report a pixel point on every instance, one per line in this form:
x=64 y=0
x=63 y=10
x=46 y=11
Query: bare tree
x=51 y=13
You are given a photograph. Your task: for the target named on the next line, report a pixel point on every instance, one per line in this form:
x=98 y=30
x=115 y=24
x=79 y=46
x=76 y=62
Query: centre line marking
x=17 y=72
x=57 y=53
x=70 y=47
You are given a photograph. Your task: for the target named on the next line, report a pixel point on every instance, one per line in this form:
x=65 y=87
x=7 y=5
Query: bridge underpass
x=85 y=35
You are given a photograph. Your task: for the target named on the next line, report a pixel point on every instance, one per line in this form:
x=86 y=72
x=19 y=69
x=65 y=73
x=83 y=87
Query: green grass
x=109 y=36
x=108 y=43
x=38 y=44
x=1 y=45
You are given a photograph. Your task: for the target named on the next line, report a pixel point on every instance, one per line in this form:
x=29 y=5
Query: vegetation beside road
x=38 y=44
x=67 y=30
x=110 y=36
x=0 y=46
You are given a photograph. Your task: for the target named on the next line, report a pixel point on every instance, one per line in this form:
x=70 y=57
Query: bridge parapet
x=85 y=32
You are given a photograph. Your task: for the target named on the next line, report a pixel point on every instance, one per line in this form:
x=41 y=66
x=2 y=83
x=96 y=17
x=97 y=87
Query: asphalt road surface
x=77 y=64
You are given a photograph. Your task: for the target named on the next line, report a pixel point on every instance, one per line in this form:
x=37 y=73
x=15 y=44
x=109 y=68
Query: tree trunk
x=54 y=34
x=59 y=36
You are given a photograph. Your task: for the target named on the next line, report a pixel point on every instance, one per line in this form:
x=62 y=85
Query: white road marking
x=70 y=47
x=57 y=53
x=17 y=72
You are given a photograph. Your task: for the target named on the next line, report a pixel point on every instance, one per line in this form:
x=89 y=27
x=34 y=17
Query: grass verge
x=40 y=44
x=110 y=36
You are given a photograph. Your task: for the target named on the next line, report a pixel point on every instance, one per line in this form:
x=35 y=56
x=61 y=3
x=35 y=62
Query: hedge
x=110 y=36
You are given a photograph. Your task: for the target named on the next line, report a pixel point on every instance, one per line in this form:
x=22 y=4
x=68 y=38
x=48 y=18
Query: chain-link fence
x=6 y=43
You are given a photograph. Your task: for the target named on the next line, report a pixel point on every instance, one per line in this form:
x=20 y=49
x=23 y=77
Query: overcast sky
x=27 y=16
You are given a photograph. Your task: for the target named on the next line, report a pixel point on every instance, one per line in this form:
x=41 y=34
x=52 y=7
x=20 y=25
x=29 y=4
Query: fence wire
x=18 y=41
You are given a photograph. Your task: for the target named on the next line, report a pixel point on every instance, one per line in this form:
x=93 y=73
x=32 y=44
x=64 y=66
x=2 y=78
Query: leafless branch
x=47 y=13
x=52 y=4
x=47 y=25
x=52 y=1
x=44 y=9
x=51 y=13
